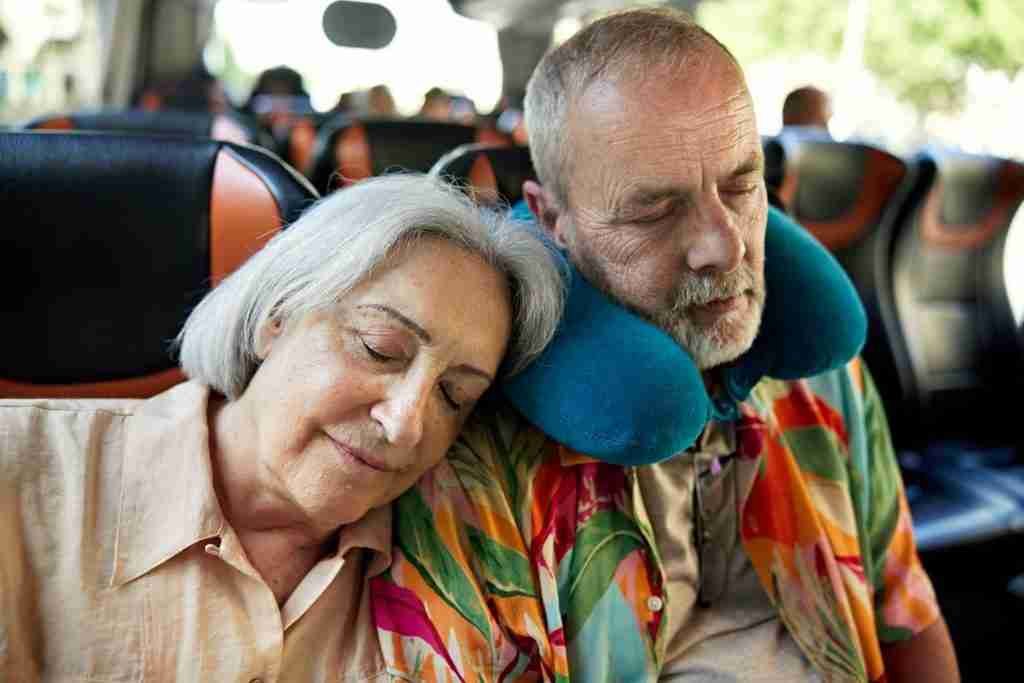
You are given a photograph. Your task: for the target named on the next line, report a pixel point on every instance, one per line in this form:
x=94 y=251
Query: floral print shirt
x=520 y=560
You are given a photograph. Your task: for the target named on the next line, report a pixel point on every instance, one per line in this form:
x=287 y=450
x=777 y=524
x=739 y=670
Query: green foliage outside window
x=921 y=49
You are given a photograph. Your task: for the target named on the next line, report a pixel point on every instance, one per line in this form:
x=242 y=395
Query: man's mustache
x=699 y=290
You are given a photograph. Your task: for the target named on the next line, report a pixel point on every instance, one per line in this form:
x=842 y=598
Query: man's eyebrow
x=753 y=164
x=644 y=196
x=421 y=333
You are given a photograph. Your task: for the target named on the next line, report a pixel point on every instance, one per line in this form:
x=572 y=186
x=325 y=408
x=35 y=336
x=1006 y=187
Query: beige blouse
x=116 y=563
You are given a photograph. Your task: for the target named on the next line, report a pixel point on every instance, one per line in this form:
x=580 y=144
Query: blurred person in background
x=808 y=107
x=380 y=102
x=436 y=105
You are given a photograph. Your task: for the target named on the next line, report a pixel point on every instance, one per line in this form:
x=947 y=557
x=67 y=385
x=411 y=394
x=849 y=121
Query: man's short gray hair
x=624 y=44
x=337 y=244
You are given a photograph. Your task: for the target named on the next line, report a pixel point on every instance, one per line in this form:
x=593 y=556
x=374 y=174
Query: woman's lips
x=359 y=456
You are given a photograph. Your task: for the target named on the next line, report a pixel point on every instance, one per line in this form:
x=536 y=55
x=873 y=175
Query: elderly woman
x=226 y=529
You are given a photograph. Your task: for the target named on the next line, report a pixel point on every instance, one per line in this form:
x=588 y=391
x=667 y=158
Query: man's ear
x=545 y=208
x=267 y=335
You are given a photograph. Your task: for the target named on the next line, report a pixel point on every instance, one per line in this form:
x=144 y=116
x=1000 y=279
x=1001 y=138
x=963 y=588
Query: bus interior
x=231 y=116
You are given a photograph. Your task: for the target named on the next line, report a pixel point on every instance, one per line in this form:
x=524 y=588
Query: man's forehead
x=612 y=125
x=694 y=91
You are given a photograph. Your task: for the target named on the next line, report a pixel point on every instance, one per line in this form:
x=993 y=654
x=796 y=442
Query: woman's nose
x=402 y=412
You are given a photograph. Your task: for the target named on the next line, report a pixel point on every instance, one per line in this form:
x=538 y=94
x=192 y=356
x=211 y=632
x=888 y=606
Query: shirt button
x=654 y=603
x=214 y=549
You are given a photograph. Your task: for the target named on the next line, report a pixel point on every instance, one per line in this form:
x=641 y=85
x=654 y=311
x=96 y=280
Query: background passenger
x=380 y=102
x=226 y=529
x=807 y=106
x=436 y=105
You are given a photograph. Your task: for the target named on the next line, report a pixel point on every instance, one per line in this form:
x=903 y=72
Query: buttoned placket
x=655 y=565
x=262 y=608
x=717 y=470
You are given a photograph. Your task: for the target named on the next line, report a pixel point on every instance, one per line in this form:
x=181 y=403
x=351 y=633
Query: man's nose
x=717 y=244
x=403 y=411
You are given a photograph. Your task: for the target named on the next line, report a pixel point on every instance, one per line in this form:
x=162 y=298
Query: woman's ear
x=268 y=333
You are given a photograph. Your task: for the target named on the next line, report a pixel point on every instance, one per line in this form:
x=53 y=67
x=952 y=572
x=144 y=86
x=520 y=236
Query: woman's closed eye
x=450 y=395
x=381 y=353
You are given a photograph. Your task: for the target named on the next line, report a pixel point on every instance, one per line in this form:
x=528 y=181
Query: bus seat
x=231 y=127
x=111 y=239
x=349 y=149
x=493 y=175
x=956 y=289
x=961 y=304
x=854 y=198
x=774 y=163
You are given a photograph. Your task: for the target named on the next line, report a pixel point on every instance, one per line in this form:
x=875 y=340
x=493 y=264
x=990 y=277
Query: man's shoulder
x=835 y=399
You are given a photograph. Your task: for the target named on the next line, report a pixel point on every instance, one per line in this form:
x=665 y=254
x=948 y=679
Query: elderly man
x=777 y=548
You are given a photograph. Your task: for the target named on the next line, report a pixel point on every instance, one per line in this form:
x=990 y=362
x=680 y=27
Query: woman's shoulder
x=15 y=408
x=46 y=444
x=34 y=423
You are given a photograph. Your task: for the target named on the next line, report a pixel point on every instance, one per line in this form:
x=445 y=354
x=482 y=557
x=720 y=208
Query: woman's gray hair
x=337 y=244
x=627 y=44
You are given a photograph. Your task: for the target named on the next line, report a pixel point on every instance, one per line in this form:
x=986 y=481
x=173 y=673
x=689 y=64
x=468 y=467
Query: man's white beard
x=731 y=335
x=725 y=341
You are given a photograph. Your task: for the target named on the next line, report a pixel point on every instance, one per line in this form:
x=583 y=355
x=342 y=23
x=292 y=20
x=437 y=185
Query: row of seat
x=926 y=241
x=331 y=152
x=933 y=246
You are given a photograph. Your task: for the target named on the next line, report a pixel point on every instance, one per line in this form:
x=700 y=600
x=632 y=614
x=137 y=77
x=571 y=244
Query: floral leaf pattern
x=536 y=563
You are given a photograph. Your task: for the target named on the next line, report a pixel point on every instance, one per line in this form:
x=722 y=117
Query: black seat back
x=109 y=241
x=954 y=282
x=494 y=175
x=349 y=150
x=230 y=127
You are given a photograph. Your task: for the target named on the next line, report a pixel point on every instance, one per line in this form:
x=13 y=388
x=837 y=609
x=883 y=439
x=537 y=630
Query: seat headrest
x=838 y=190
x=973 y=200
x=232 y=127
x=492 y=174
x=349 y=149
x=112 y=238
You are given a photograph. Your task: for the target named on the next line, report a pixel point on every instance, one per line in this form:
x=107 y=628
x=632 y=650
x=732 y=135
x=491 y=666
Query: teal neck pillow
x=615 y=387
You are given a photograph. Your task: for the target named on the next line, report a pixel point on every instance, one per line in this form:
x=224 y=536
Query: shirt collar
x=168 y=501
x=372 y=532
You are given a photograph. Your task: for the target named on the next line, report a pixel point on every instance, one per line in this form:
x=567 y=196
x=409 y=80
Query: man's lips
x=360 y=456
x=721 y=306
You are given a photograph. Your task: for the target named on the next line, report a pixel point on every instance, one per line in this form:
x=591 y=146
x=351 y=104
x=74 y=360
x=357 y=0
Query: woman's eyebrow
x=425 y=337
x=415 y=328
x=467 y=369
